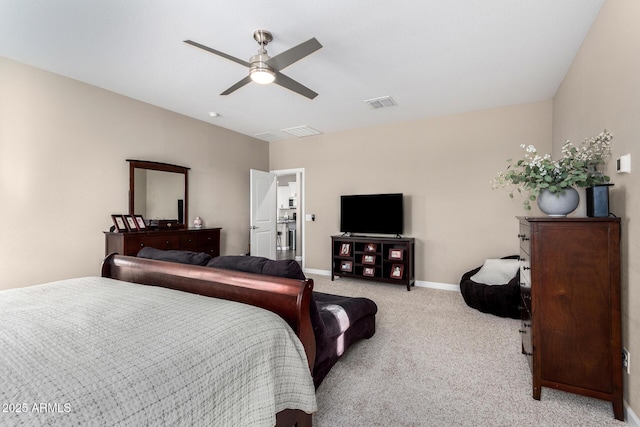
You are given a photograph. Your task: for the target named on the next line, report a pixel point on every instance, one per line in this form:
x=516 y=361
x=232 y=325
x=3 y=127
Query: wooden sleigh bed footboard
x=289 y=298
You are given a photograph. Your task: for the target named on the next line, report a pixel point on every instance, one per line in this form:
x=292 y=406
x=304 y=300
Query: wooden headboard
x=288 y=298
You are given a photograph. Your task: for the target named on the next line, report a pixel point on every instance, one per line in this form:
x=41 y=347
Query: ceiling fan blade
x=288 y=57
x=293 y=85
x=217 y=52
x=237 y=86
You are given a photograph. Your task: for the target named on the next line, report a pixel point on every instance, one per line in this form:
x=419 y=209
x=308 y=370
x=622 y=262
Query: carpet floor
x=434 y=361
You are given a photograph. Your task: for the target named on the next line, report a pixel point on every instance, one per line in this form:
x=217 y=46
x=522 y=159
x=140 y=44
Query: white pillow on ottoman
x=496 y=271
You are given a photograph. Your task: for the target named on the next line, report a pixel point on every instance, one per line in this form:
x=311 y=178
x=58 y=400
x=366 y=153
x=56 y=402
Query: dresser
x=571 y=315
x=186 y=239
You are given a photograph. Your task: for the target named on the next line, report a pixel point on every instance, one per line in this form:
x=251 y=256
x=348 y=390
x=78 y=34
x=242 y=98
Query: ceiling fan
x=264 y=69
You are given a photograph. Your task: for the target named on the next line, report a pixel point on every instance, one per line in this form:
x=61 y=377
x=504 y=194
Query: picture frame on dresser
x=140 y=222
x=369 y=271
x=370 y=247
x=131 y=222
x=119 y=223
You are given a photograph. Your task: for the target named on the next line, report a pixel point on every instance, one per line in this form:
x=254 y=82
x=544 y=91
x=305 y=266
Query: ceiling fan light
x=262 y=76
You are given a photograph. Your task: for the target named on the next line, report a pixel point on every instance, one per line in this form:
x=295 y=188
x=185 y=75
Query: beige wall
x=63 y=146
x=602 y=90
x=443 y=166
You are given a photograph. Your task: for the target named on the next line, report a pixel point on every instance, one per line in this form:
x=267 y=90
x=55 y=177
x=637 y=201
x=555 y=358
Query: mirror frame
x=158 y=166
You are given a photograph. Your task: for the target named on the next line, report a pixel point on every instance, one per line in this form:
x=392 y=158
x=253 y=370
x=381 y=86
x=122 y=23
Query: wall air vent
x=382 y=102
x=301 y=131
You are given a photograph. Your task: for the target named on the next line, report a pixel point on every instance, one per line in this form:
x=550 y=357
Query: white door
x=263 y=214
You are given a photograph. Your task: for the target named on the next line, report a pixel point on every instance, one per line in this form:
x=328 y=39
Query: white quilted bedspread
x=96 y=351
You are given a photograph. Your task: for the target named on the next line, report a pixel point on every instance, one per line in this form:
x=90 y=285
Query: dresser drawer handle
x=142 y=245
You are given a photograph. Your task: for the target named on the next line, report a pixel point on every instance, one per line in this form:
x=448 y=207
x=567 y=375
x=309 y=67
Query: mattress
x=97 y=351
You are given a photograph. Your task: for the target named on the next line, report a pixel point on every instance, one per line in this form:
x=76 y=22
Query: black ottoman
x=501 y=300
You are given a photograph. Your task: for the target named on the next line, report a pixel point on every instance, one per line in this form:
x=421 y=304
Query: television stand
x=381 y=259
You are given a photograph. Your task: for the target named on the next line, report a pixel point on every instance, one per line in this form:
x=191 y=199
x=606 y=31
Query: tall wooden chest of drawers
x=570 y=290
x=186 y=239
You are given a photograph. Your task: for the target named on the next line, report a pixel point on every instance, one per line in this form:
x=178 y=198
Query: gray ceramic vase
x=558 y=205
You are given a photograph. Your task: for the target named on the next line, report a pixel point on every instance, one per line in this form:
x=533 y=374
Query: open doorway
x=290 y=214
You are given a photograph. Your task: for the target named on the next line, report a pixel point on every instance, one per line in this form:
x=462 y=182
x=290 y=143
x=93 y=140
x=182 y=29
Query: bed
x=337 y=321
x=110 y=350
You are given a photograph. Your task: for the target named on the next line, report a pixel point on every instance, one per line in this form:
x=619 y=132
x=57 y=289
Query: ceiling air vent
x=267 y=136
x=382 y=102
x=301 y=131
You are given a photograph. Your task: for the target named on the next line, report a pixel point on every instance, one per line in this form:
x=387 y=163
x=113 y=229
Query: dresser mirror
x=158 y=191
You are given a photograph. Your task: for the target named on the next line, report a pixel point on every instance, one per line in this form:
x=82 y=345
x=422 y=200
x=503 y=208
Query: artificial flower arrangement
x=578 y=167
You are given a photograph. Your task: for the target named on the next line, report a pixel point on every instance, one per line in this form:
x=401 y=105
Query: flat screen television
x=372 y=213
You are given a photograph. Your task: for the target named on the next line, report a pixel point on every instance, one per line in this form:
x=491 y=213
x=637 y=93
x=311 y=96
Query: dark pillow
x=247 y=264
x=283 y=268
x=252 y=264
x=182 y=257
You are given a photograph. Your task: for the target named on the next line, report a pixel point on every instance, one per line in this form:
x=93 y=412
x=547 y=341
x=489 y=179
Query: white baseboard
x=436 y=285
x=318 y=272
x=420 y=283
x=630 y=416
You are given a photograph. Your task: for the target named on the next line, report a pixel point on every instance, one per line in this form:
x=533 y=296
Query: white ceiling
x=434 y=57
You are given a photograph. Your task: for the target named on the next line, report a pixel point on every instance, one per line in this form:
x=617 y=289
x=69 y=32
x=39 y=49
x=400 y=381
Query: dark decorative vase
x=598 y=200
